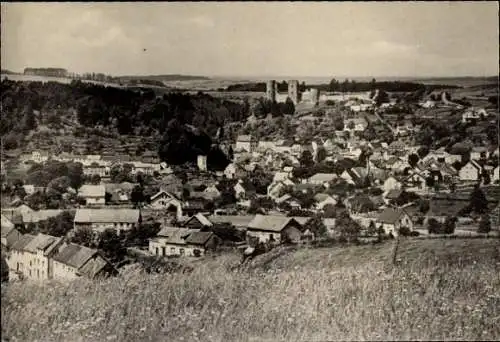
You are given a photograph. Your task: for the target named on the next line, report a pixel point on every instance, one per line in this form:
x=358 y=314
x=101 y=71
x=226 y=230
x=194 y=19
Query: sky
x=318 y=39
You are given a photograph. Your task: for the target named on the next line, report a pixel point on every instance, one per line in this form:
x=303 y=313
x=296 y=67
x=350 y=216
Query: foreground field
x=446 y=289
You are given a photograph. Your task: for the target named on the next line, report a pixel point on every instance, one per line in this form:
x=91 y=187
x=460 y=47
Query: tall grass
x=288 y=302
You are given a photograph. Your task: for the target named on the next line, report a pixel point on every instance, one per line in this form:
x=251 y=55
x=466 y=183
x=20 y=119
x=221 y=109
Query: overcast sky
x=254 y=39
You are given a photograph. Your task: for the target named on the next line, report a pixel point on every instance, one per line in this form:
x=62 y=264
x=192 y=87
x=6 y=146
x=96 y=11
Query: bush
x=405 y=231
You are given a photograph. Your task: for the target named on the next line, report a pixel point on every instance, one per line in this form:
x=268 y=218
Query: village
x=358 y=172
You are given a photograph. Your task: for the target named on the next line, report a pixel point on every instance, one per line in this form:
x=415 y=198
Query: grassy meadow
x=438 y=290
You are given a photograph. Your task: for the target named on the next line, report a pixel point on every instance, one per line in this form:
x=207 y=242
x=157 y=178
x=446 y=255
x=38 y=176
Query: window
x=164 y=252
x=172 y=250
x=181 y=251
x=157 y=251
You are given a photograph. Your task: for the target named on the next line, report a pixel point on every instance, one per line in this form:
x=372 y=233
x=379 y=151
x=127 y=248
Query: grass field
x=446 y=289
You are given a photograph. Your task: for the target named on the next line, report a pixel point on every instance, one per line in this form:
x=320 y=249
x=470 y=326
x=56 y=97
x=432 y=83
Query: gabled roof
x=390 y=215
x=235 y=220
x=201 y=218
x=24 y=240
x=198 y=238
x=106 y=216
x=323 y=177
x=175 y=235
x=270 y=223
x=245 y=138
x=322 y=197
x=161 y=192
x=40 y=242
x=40 y=215
x=88 y=190
x=302 y=219
x=6 y=226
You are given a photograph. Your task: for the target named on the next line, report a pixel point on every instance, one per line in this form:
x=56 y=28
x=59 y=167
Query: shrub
x=405 y=231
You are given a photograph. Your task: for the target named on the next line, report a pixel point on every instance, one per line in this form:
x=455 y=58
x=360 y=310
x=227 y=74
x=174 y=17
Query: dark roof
x=75 y=255
x=23 y=241
x=198 y=238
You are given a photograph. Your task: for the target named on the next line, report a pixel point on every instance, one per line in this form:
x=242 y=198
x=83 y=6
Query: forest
x=345 y=86
x=184 y=124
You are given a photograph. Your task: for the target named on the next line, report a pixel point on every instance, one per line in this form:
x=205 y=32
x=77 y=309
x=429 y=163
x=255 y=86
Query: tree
x=348 y=228
x=288 y=107
x=433 y=226
x=84 y=237
x=484 y=224
x=372 y=229
x=317 y=226
x=338 y=123
x=423 y=151
x=59 y=225
x=95 y=179
x=449 y=225
x=28 y=121
x=321 y=154
x=329 y=211
x=137 y=195
x=306 y=159
x=413 y=160
x=478 y=201
x=111 y=245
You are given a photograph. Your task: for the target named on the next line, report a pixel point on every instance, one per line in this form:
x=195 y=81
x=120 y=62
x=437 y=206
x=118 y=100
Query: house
x=281 y=176
x=495 y=177
x=353 y=176
x=197 y=221
x=322 y=179
x=392 y=220
x=324 y=199
x=243 y=189
x=212 y=192
x=274 y=189
x=391 y=183
x=39 y=156
x=234 y=171
x=93 y=194
x=172 y=241
x=9 y=232
x=98 y=169
x=118 y=193
x=73 y=261
x=246 y=143
x=355 y=125
x=100 y=220
x=36 y=217
x=397 y=146
x=470 y=171
x=237 y=221
x=416 y=182
x=166 y=200
x=473 y=114
x=274 y=229
x=30 y=256
x=478 y=152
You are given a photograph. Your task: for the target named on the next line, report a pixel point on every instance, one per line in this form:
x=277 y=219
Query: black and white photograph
x=250 y=171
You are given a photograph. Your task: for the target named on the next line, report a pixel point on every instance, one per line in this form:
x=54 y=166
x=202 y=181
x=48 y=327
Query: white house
x=39 y=156
x=495 y=177
x=275 y=229
x=391 y=183
x=470 y=171
x=246 y=143
x=166 y=200
x=101 y=219
x=392 y=220
x=73 y=261
x=323 y=200
x=182 y=242
x=30 y=256
x=355 y=125
x=93 y=194
x=478 y=152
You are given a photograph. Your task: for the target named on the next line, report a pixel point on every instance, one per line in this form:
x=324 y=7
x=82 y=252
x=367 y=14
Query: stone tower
x=271 y=90
x=293 y=91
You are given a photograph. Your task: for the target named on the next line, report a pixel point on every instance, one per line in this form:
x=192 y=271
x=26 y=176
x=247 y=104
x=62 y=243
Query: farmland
x=440 y=289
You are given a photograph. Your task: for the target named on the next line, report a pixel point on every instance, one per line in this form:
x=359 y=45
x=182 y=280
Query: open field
x=441 y=289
